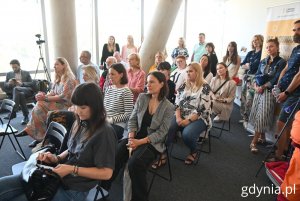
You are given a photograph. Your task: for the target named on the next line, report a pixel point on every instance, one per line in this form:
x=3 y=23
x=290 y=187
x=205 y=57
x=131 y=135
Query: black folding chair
x=222 y=128
x=55 y=135
x=155 y=172
x=6 y=129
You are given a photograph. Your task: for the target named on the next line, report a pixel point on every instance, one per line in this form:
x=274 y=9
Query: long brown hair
x=67 y=72
x=234 y=57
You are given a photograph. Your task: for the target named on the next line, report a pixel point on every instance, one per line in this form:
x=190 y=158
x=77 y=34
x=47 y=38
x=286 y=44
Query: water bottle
x=276 y=91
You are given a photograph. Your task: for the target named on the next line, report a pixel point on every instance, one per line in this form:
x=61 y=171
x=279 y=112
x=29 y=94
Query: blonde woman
x=193 y=110
x=159 y=57
x=58 y=98
x=250 y=65
x=136 y=76
x=90 y=74
x=180 y=50
x=128 y=48
x=108 y=50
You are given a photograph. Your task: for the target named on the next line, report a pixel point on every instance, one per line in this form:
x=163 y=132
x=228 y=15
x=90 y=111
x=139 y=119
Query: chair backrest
x=55 y=135
x=7 y=105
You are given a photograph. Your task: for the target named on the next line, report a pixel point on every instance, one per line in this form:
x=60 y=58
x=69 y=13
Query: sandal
x=160 y=162
x=261 y=140
x=190 y=159
x=253 y=148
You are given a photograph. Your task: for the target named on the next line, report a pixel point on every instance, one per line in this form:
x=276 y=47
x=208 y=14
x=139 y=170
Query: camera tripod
x=41 y=59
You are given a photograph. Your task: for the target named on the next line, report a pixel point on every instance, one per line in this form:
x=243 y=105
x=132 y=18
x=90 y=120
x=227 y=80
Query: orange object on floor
x=290 y=186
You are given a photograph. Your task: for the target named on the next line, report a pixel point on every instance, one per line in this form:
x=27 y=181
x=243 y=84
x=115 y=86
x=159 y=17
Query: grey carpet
x=218 y=176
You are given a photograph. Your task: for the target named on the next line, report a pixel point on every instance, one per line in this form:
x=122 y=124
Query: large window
x=20 y=21
x=119 y=19
x=207 y=17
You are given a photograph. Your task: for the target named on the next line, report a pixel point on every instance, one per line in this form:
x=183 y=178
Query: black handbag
x=40 y=183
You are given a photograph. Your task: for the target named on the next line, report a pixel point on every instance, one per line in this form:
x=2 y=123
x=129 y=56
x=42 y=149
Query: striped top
x=118 y=103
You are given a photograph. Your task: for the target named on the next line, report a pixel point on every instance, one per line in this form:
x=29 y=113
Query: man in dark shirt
x=18 y=86
x=289 y=85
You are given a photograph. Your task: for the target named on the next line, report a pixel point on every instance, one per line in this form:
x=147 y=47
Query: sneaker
x=217 y=119
x=253 y=148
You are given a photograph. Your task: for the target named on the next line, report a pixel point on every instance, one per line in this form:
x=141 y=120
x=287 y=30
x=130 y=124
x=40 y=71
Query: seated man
x=18 y=86
x=85 y=59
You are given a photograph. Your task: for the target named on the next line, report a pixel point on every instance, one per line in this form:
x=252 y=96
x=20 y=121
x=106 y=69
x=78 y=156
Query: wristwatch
x=286 y=93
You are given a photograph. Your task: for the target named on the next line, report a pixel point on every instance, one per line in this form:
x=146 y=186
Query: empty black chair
x=55 y=135
x=7 y=130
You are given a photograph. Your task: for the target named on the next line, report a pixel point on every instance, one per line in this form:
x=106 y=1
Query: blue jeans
x=190 y=133
x=11 y=189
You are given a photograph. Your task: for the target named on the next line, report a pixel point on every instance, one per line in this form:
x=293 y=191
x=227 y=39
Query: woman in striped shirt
x=118 y=99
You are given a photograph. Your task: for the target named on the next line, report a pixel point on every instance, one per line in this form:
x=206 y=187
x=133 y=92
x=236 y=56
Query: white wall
x=245 y=19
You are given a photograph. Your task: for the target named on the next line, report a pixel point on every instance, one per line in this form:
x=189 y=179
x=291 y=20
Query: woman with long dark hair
x=148 y=126
x=90 y=155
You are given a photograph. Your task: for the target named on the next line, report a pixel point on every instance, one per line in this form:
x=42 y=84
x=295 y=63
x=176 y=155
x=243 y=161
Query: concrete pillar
x=64 y=31
x=159 y=31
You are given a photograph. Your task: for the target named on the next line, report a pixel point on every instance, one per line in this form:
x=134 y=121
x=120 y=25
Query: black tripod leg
x=281 y=132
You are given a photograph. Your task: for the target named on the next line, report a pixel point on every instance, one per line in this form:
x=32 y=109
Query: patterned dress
x=36 y=127
x=199 y=102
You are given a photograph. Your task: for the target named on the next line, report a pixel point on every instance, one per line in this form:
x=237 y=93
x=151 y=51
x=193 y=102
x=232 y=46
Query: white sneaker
x=217 y=119
x=245 y=124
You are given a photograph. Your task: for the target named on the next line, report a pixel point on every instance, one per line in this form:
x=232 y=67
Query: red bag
x=236 y=80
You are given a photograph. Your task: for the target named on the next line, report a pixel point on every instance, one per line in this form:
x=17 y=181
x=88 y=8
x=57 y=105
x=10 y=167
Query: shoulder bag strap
x=220 y=86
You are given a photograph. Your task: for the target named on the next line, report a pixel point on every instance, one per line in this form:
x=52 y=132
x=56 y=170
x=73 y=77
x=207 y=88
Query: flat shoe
x=33 y=143
x=22 y=134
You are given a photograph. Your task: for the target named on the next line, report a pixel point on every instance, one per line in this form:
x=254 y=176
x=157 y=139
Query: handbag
x=40 y=183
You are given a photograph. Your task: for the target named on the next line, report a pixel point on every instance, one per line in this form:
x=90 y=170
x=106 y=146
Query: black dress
x=106 y=53
x=213 y=63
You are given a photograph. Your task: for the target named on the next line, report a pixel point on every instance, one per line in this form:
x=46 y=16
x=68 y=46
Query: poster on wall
x=280 y=23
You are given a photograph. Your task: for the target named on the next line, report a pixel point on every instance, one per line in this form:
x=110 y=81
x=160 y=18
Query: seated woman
x=193 y=110
x=58 y=98
x=118 y=99
x=136 y=75
x=90 y=74
x=223 y=89
x=205 y=65
x=90 y=155
x=261 y=115
x=148 y=126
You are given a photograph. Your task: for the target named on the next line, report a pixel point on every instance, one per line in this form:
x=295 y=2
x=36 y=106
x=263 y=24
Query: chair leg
x=209 y=144
x=22 y=154
x=99 y=189
x=155 y=173
x=221 y=131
